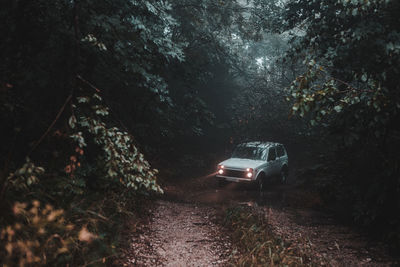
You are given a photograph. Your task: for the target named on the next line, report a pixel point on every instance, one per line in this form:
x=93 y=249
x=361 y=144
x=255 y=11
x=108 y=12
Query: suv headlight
x=249 y=172
x=221 y=169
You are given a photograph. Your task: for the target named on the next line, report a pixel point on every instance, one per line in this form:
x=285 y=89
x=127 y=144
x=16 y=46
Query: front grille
x=234 y=173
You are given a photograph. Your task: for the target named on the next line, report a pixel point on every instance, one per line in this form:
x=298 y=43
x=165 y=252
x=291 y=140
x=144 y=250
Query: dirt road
x=183 y=229
x=180 y=235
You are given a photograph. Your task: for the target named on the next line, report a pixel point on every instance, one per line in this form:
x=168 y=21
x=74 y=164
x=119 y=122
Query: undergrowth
x=257 y=244
x=71 y=211
x=85 y=232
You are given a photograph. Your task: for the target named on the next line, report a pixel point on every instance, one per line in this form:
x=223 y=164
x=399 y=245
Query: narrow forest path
x=179 y=235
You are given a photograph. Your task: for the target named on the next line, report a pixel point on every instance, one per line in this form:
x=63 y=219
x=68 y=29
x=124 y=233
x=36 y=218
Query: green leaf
x=72 y=121
x=338 y=108
x=364 y=77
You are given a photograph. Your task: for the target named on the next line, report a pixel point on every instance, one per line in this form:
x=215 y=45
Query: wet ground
x=179 y=234
x=183 y=231
x=296 y=216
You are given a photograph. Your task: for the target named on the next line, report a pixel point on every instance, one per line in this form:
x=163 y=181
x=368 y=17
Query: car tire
x=284 y=175
x=261 y=182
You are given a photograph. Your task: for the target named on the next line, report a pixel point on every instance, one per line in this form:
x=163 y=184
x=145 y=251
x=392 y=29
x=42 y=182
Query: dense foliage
x=351 y=50
x=70 y=173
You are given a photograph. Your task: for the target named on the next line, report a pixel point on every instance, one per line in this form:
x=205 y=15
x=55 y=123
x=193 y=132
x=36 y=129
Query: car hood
x=237 y=163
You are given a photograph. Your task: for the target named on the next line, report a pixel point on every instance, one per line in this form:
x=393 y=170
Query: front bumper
x=234 y=179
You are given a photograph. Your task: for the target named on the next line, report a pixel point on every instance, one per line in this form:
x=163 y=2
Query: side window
x=279 y=151
x=258 y=154
x=264 y=154
x=271 y=154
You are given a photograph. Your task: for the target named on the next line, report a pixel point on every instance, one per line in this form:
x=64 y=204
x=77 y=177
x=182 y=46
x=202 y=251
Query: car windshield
x=246 y=152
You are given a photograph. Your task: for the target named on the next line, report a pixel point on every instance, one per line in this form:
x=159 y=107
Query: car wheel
x=284 y=175
x=261 y=183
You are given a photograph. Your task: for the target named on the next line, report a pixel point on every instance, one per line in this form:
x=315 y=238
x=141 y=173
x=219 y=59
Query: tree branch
x=51 y=125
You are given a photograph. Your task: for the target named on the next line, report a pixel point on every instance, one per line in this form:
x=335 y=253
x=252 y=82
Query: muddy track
x=184 y=231
x=179 y=234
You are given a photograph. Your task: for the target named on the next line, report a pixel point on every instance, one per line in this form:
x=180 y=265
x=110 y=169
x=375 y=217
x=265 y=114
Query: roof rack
x=258 y=144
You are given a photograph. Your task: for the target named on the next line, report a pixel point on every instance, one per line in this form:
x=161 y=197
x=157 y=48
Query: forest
x=107 y=105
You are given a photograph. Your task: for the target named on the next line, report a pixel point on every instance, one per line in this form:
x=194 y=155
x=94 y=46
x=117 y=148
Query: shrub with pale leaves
x=120 y=159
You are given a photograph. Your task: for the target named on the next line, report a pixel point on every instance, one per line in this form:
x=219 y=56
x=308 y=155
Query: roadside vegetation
x=259 y=246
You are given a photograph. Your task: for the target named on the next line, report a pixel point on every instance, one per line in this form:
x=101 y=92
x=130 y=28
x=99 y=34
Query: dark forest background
x=94 y=95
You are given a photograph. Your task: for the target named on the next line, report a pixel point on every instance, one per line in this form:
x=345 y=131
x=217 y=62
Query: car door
x=272 y=162
x=280 y=157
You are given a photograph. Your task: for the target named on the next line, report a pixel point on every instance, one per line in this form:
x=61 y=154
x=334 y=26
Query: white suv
x=255 y=162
